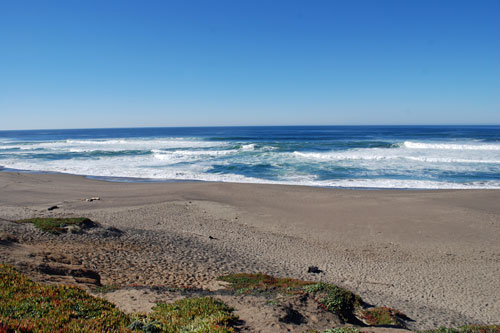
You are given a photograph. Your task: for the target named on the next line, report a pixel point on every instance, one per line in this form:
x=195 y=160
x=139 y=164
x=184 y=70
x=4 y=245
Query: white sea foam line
x=190 y=155
x=371 y=164
x=14 y=147
x=452 y=146
x=122 y=141
x=113 y=145
x=401 y=166
x=407 y=184
x=117 y=169
x=268 y=148
x=451 y=160
x=250 y=146
x=346 y=157
x=198 y=172
x=197 y=154
x=380 y=154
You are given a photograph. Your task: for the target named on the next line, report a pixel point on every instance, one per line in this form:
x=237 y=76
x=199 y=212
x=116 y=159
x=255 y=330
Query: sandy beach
x=434 y=255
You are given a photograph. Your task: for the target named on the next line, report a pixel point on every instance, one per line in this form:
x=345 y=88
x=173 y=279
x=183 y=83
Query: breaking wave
x=340 y=157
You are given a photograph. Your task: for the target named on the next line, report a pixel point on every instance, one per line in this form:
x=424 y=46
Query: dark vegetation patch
x=61 y=225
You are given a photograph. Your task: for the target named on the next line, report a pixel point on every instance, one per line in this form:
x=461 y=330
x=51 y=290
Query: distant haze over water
x=419 y=157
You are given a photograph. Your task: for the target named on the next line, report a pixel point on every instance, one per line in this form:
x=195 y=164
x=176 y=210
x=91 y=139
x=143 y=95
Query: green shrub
x=335 y=299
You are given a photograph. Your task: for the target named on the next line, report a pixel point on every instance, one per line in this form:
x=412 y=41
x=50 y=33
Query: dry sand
x=434 y=255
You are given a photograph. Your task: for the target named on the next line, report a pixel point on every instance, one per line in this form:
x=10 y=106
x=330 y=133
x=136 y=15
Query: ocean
x=396 y=157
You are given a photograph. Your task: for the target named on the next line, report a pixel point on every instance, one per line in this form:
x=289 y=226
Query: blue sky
x=79 y=64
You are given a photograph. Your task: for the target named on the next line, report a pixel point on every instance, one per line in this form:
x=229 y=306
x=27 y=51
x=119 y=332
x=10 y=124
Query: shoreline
x=132 y=180
x=433 y=254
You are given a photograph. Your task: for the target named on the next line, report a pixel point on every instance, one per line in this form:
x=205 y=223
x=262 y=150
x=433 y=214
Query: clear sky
x=80 y=64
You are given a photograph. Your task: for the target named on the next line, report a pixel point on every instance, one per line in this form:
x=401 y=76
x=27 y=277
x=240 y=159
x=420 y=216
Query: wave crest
x=449 y=146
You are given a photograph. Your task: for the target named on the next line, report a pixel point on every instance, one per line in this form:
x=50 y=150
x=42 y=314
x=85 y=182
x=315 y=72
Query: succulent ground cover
x=59 y=225
x=199 y=314
x=28 y=306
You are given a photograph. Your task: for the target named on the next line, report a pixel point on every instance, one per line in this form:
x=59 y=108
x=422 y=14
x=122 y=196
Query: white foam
x=452 y=160
x=131 y=168
x=452 y=146
x=117 y=145
x=381 y=154
x=247 y=147
x=405 y=184
x=189 y=155
x=368 y=154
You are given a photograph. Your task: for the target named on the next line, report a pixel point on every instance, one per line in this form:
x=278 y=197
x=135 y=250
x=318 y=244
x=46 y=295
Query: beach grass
x=57 y=225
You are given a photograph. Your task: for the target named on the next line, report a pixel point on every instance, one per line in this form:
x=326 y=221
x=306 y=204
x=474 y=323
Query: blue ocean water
x=421 y=157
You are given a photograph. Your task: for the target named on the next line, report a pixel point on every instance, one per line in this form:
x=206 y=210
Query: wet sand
x=435 y=255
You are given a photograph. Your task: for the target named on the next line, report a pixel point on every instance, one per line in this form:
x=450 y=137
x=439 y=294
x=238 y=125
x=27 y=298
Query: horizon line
x=243 y=126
